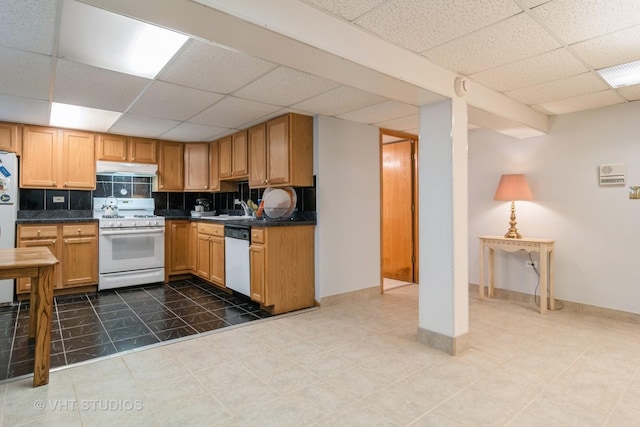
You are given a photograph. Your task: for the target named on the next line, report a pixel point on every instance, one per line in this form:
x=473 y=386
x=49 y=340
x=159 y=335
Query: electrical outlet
x=58 y=199
x=531 y=264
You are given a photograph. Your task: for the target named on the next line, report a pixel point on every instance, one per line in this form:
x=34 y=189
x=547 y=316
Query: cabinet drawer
x=79 y=230
x=212 y=229
x=38 y=232
x=257 y=235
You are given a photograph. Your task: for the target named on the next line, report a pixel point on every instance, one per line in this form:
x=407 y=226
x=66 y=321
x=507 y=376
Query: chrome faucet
x=245 y=207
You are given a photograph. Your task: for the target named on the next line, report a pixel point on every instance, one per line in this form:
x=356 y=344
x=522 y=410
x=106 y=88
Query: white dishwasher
x=236 y=258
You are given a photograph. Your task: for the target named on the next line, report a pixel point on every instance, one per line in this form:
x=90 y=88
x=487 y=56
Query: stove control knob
x=148 y=222
x=155 y=222
x=118 y=224
x=111 y=224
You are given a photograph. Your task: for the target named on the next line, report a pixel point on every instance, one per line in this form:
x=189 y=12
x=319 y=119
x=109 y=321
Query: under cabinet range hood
x=125 y=168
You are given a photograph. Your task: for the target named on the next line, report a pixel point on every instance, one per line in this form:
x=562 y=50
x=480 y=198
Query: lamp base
x=513 y=231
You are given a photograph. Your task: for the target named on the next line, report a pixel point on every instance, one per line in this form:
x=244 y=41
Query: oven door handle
x=125 y=232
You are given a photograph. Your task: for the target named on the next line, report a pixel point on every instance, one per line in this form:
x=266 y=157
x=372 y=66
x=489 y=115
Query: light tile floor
x=357 y=364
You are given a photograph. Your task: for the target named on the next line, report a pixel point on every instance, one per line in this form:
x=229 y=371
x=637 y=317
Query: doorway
x=399 y=209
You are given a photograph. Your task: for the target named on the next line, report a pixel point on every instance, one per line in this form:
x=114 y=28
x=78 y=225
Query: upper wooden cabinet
x=118 y=148
x=196 y=167
x=234 y=160
x=57 y=158
x=11 y=137
x=282 y=154
x=214 y=171
x=170 y=166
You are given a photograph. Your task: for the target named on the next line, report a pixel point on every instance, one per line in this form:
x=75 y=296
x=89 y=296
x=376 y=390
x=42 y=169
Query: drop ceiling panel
x=135 y=124
x=24 y=74
x=349 y=10
x=212 y=68
x=24 y=110
x=88 y=86
x=538 y=69
x=612 y=49
x=339 y=101
x=233 y=112
x=169 y=101
x=285 y=86
x=28 y=25
x=508 y=41
x=575 y=21
x=406 y=124
x=387 y=110
x=632 y=93
x=418 y=25
x=559 y=89
x=193 y=132
x=583 y=102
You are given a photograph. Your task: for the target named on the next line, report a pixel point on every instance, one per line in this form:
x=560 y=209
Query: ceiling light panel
x=103 y=39
x=622 y=75
x=76 y=117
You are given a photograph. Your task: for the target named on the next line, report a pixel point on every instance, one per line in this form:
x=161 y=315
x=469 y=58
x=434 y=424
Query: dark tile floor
x=92 y=325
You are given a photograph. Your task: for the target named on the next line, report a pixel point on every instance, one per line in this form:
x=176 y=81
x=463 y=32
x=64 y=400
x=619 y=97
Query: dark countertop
x=70 y=216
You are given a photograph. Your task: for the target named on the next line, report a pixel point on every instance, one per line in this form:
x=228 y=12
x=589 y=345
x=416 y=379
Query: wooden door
x=257 y=156
x=397 y=211
x=78 y=160
x=224 y=159
x=239 y=155
x=278 y=151
x=10 y=137
x=111 y=147
x=142 y=150
x=40 y=160
x=196 y=166
x=203 y=256
x=171 y=166
x=193 y=246
x=80 y=255
x=179 y=251
x=257 y=263
x=217 y=260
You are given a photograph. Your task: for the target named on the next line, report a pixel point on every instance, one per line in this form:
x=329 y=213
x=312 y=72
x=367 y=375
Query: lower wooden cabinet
x=76 y=247
x=282 y=267
x=176 y=248
x=210 y=253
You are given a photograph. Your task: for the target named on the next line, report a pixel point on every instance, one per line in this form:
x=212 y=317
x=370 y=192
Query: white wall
x=596 y=228
x=347 y=167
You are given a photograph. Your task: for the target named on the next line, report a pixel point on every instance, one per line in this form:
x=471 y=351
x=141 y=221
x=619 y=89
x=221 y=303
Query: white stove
x=131 y=244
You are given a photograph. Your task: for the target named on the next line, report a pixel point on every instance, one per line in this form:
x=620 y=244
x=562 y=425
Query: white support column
x=443 y=188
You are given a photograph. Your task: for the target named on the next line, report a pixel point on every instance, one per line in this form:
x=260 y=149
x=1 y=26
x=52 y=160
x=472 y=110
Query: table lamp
x=511 y=188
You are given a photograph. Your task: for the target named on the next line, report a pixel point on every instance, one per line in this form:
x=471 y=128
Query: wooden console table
x=543 y=246
x=37 y=263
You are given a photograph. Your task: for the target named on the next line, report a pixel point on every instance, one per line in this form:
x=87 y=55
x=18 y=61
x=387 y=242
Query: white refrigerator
x=8 y=213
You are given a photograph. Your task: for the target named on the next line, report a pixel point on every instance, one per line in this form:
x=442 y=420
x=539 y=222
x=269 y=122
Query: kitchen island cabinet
x=74 y=245
x=282 y=267
x=57 y=158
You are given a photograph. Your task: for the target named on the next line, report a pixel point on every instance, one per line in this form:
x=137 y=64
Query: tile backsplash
x=119 y=186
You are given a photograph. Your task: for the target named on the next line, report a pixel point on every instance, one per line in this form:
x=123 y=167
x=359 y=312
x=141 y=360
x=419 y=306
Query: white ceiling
x=540 y=53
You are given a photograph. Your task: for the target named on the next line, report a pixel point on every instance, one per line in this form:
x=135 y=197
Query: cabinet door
x=193 y=246
x=112 y=148
x=203 y=256
x=225 y=162
x=239 y=155
x=170 y=167
x=39 y=163
x=80 y=255
x=257 y=156
x=179 y=250
x=257 y=264
x=196 y=167
x=217 y=260
x=78 y=160
x=142 y=150
x=10 y=137
x=278 y=151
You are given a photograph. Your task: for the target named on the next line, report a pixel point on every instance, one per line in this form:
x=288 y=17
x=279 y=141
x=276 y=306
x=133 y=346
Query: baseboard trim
x=352 y=296
x=451 y=345
x=567 y=306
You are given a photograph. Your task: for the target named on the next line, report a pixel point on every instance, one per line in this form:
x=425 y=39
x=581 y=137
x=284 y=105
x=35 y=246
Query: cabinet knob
x=65 y=184
x=54 y=183
x=38 y=232
x=79 y=231
x=66 y=242
x=124 y=158
x=133 y=158
x=206 y=186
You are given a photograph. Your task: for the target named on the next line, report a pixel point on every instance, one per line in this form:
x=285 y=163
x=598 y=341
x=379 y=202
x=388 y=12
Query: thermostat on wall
x=612 y=174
